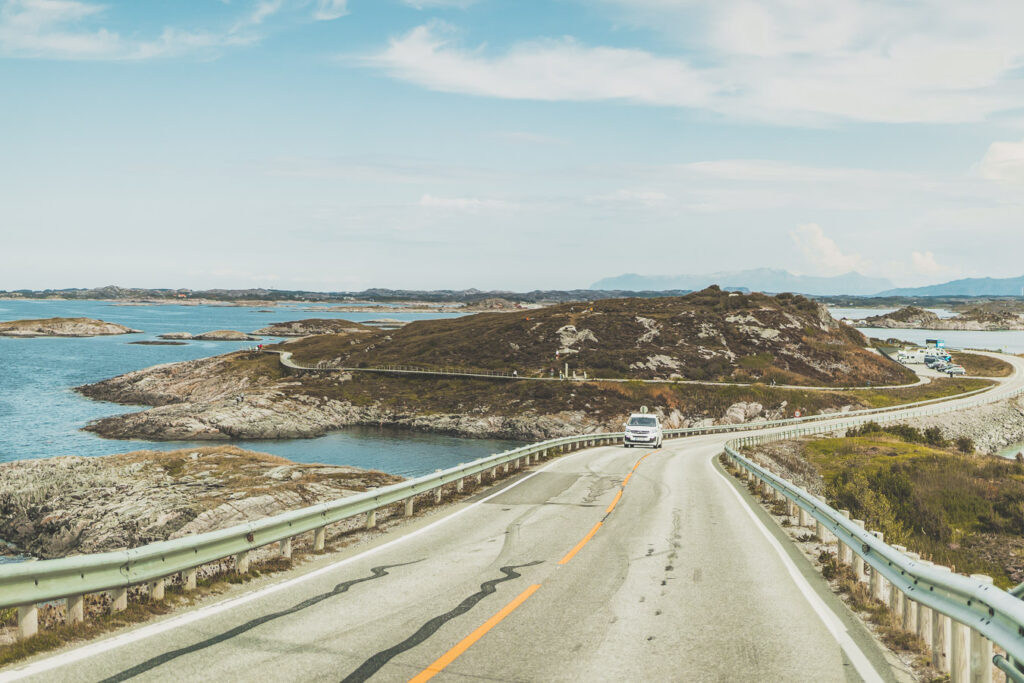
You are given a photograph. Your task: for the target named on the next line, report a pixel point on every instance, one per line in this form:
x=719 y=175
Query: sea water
x=40 y=415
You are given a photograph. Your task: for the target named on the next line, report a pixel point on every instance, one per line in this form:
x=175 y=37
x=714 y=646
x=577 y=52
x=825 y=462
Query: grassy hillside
x=954 y=508
x=707 y=335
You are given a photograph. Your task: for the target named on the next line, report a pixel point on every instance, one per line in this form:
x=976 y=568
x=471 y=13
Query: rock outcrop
x=215 y=335
x=58 y=506
x=303 y=328
x=991 y=427
x=977 y=319
x=62 y=327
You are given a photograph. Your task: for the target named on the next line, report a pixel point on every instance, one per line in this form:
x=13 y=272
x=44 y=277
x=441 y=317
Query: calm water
x=41 y=417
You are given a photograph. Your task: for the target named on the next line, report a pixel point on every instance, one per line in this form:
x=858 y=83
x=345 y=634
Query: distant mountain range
x=974 y=286
x=757 y=280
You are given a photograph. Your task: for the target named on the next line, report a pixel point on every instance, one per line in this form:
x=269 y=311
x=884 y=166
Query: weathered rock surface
x=914 y=318
x=62 y=327
x=992 y=427
x=302 y=328
x=176 y=335
x=225 y=335
x=58 y=506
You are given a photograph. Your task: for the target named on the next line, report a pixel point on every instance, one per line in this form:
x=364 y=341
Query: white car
x=643 y=429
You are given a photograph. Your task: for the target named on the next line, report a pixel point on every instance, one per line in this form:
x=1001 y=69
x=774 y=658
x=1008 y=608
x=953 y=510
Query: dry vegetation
x=935 y=497
x=707 y=335
x=982 y=366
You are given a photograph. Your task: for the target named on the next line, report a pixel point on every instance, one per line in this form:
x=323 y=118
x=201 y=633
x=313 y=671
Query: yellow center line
x=579 y=546
x=467 y=642
x=618 y=496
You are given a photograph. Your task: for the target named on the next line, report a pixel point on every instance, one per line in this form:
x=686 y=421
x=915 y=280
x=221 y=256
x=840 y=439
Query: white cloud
x=327 y=10
x=823 y=253
x=648 y=199
x=58 y=29
x=438 y=4
x=468 y=204
x=1003 y=162
x=546 y=70
x=925 y=263
x=783 y=61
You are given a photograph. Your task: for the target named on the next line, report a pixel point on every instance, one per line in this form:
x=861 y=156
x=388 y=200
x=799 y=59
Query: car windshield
x=643 y=422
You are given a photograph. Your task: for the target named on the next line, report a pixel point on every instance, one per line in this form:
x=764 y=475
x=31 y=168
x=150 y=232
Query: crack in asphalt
x=375 y=573
x=374 y=664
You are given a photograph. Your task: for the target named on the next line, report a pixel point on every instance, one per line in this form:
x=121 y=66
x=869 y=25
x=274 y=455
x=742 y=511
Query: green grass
x=942 y=387
x=951 y=508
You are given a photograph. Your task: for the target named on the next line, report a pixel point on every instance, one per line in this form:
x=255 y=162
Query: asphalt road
x=605 y=564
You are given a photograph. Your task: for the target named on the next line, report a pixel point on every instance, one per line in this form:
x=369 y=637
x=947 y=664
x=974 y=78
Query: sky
x=517 y=144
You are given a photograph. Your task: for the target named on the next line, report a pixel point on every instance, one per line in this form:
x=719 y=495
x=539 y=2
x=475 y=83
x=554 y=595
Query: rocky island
x=62 y=327
x=215 y=335
x=975 y=319
x=304 y=328
x=711 y=336
x=53 y=507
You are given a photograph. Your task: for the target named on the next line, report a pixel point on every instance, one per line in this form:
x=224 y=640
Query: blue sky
x=324 y=144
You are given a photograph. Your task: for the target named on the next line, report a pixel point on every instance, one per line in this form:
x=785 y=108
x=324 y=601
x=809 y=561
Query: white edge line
x=831 y=620
x=93 y=649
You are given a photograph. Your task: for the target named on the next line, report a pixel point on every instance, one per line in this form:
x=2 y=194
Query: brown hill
x=707 y=335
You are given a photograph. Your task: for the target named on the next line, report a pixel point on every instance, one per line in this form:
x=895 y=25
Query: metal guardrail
x=996 y=614
x=45 y=580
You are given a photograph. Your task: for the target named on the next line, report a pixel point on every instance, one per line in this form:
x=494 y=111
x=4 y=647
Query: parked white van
x=643 y=429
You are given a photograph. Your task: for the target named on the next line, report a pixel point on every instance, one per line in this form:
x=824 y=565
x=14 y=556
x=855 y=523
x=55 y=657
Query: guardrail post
x=188 y=579
x=925 y=617
x=909 y=606
x=959 y=660
x=28 y=621
x=242 y=562
x=156 y=590
x=981 y=647
x=858 y=561
x=480 y=479
x=437 y=493
x=74 y=609
x=844 y=554
x=319 y=539
x=895 y=594
x=409 y=506
x=941 y=636
x=820 y=533
x=459 y=485
x=804 y=518
x=285 y=548
x=878 y=582
x=118 y=599
x=371 y=519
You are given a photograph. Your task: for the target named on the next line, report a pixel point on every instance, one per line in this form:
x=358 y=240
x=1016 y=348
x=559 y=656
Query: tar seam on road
x=618 y=496
x=377 y=661
x=448 y=657
x=376 y=573
x=94 y=649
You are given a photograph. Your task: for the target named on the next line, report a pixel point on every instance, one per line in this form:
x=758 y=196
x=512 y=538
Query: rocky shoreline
x=975 y=320
x=54 y=507
x=62 y=327
x=992 y=427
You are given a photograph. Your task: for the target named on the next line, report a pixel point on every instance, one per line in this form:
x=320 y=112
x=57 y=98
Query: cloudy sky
x=325 y=144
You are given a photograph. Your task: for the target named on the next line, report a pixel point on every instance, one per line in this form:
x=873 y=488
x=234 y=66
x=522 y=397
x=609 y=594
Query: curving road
x=606 y=564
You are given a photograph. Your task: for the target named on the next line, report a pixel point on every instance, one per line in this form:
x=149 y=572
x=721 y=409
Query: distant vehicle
x=954 y=370
x=643 y=429
x=908 y=356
